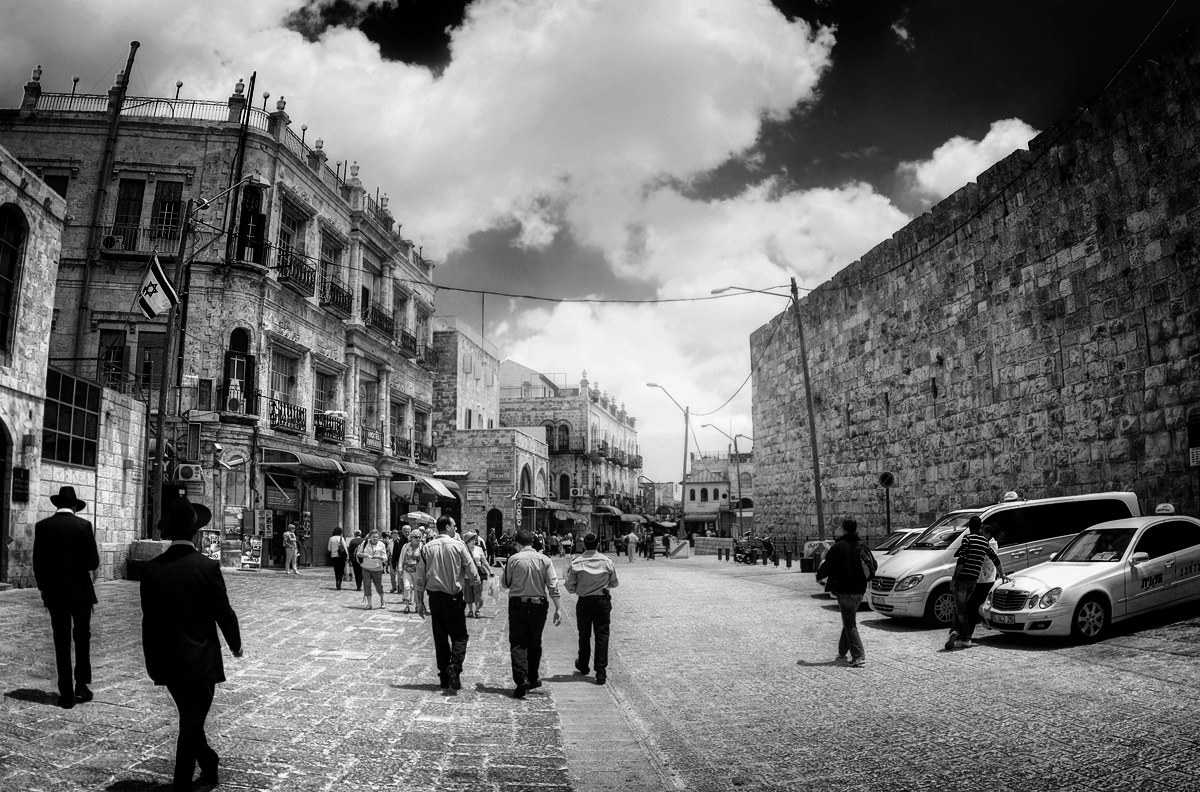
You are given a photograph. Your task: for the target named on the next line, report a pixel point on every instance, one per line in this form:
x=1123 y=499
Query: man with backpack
x=848 y=566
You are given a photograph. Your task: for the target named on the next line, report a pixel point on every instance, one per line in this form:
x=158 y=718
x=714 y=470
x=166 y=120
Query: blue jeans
x=964 y=624
x=849 y=640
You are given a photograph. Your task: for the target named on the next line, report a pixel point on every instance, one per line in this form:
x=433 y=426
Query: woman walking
x=337 y=554
x=473 y=590
x=373 y=556
x=409 y=555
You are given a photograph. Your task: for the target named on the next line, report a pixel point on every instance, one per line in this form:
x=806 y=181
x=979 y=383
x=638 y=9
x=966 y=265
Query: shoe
x=66 y=702
x=533 y=683
x=858 y=662
x=840 y=658
x=519 y=691
x=208 y=775
x=581 y=668
x=455 y=681
x=82 y=693
x=406 y=610
x=368 y=604
x=444 y=680
x=601 y=679
x=962 y=644
x=952 y=639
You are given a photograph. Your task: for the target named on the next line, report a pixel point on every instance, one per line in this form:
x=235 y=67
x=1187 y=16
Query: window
x=291 y=230
x=151 y=357
x=368 y=399
x=746 y=480
x=420 y=425
x=467 y=418
x=564 y=436
x=71 y=420
x=331 y=260
x=324 y=393
x=251 y=227
x=692 y=494
x=166 y=213
x=239 y=373
x=564 y=486
x=12 y=250
x=703 y=494
x=396 y=419
x=130 y=194
x=283 y=376
x=111 y=357
x=57 y=182
x=423 y=329
x=400 y=307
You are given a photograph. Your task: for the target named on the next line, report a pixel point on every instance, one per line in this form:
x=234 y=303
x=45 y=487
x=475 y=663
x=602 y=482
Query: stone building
x=595 y=459
x=301 y=388
x=1036 y=331
x=712 y=490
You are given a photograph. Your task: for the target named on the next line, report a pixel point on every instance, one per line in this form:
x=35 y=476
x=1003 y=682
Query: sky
x=651 y=151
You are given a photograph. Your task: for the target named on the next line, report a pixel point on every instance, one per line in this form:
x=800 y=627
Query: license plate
x=1004 y=618
x=878 y=600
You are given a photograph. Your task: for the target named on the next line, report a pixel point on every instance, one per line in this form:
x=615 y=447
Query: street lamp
x=737 y=464
x=812 y=422
x=686 y=429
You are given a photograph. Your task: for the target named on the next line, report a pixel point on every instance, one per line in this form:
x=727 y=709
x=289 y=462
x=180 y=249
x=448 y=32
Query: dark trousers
x=448 y=615
x=339 y=570
x=357 y=575
x=963 y=591
x=978 y=595
x=69 y=622
x=526 y=620
x=594 y=614
x=849 y=640
x=193 y=702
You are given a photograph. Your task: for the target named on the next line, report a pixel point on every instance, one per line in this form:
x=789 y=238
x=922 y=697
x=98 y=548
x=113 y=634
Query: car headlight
x=906 y=583
x=1050 y=597
x=988 y=600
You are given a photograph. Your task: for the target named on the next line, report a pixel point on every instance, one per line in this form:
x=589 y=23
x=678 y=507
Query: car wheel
x=939 y=609
x=1091 y=619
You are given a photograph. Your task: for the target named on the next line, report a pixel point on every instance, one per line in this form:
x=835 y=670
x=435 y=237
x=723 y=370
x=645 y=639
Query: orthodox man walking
x=589 y=578
x=64 y=558
x=530 y=579
x=183 y=603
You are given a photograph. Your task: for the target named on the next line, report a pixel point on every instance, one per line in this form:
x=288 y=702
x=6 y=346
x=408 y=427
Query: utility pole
x=683 y=477
x=812 y=421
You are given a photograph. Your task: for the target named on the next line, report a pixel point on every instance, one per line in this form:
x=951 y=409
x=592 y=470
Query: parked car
x=1106 y=574
x=894 y=542
x=916 y=580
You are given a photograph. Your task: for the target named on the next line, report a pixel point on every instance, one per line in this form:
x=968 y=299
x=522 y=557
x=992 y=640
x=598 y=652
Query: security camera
x=218 y=447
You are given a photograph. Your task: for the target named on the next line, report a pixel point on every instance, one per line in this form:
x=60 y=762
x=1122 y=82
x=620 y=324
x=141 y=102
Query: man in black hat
x=64 y=558
x=183 y=603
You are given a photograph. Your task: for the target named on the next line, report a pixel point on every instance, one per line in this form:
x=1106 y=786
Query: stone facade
x=307 y=355
x=466 y=381
x=1036 y=331
x=711 y=493
x=502 y=464
x=34 y=215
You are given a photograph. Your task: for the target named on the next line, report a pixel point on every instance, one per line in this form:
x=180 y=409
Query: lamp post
x=737 y=464
x=686 y=429
x=812 y=421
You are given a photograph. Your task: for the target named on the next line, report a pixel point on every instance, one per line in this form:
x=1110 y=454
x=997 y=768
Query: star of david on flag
x=157 y=295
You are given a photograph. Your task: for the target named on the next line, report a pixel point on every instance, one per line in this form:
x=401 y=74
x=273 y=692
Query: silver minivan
x=915 y=582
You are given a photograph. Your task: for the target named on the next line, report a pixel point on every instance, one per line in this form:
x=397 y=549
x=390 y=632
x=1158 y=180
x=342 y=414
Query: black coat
x=64 y=557
x=183 y=602
x=843 y=568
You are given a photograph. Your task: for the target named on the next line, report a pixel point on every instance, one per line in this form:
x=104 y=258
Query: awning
x=452 y=473
x=699 y=518
x=607 y=510
x=404 y=489
x=283 y=458
x=567 y=514
x=438 y=486
x=632 y=518
x=556 y=505
x=355 y=469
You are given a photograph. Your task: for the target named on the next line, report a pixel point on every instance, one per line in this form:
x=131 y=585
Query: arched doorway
x=564 y=486
x=495 y=522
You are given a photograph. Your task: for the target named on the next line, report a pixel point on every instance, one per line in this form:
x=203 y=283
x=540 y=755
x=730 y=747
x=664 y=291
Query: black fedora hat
x=65 y=499
x=181 y=518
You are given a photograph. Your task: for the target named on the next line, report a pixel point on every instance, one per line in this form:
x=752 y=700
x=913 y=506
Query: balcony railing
x=295 y=272
x=289 y=417
x=375 y=316
x=400 y=446
x=336 y=297
x=427 y=356
x=331 y=428
x=635 y=461
x=408 y=342
x=370 y=435
x=425 y=454
x=602 y=447
x=162 y=239
x=234 y=399
x=574 y=445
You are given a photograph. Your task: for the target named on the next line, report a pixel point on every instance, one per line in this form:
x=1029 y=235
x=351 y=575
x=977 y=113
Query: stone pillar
x=279 y=120
x=237 y=103
x=317 y=157
x=33 y=92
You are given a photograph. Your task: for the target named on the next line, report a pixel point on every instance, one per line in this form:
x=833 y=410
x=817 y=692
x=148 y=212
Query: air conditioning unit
x=233 y=404
x=110 y=242
x=580 y=492
x=187 y=473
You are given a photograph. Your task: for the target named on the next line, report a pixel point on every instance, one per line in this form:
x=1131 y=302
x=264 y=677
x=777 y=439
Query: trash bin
x=808 y=564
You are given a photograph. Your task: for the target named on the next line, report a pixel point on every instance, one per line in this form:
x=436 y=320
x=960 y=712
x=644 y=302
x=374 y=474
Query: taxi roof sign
x=1164 y=508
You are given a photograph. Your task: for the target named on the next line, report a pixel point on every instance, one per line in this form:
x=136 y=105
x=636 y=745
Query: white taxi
x=1106 y=574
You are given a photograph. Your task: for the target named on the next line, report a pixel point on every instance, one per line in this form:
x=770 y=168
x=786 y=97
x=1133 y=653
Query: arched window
x=703 y=494
x=564 y=437
x=550 y=436
x=747 y=480
x=526 y=480
x=564 y=486
x=692 y=494
x=13 y=230
x=237 y=392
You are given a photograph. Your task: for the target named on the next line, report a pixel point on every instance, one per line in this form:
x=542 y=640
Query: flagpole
x=165 y=377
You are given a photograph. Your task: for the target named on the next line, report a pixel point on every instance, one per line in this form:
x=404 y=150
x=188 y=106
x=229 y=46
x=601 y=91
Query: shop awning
x=699 y=518
x=282 y=458
x=567 y=514
x=607 y=510
x=451 y=473
x=355 y=469
x=556 y=505
x=404 y=489
x=632 y=518
x=437 y=485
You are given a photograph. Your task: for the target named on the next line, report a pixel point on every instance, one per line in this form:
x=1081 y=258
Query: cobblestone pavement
x=721 y=678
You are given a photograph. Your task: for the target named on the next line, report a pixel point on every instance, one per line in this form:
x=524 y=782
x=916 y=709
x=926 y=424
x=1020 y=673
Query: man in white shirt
x=529 y=577
x=444 y=565
x=589 y=577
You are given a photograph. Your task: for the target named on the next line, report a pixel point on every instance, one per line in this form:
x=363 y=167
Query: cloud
x=900 y=28
x=959 y=160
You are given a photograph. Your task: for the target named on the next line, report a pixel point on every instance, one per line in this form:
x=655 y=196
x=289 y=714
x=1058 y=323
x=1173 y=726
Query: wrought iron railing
x=162 y=238
x=375 y=316
x=427 y=356
x=408 y=342
x=329 y=427
x=286 y=416
x=635 y=461
x=295 y=272
x=234 y=398
x=400 y=446
x=336 y=296
x=425 y=454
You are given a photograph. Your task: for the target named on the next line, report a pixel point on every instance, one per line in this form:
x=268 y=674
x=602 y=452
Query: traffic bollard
x=788 y=557
x=776 y=560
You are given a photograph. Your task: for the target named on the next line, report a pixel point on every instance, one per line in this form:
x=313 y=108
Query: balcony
x=400 y=446
x=337 y=298
x=427 y=356
x=328 y=427
x=376 y=317
x=408 y=343
x=287 y=417
x=295 y=272
x=162 y=239
x=620 y=457
x=234 y=402
x=370 y=436
x=602 y=447
x=635 y=461
x=574 y=445
x=425 y=454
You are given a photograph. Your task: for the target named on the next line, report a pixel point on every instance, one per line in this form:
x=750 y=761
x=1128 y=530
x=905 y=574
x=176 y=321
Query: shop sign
x=475 y=493
x=499 y=474
x=233 y=521
x=252 y=558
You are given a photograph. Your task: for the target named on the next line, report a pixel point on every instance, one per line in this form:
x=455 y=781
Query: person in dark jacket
x=843 y=568
x=352 y=549
x=183 y=603
x=64 y=558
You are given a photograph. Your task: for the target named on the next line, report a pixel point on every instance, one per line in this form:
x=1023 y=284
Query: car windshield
x=889 y=541
x=905 y=541
x=1098 y=544
x=942 y=533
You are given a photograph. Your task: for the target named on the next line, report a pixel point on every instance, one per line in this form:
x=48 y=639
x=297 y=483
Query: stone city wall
x=1036 y=331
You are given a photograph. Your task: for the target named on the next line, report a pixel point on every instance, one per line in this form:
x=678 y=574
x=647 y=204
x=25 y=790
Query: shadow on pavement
x=886 y=624
x=35 y=696
x=815 y=663
x=569 y=678
x=430 y=686
x=507 y=692
x=137 y=785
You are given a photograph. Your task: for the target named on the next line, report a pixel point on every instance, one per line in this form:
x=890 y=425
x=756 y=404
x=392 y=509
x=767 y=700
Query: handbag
x=493 y=587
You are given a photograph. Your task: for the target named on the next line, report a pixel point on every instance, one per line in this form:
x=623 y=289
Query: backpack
x=868 y=562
